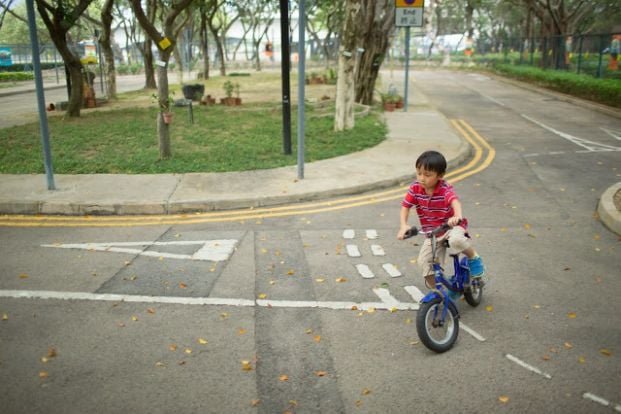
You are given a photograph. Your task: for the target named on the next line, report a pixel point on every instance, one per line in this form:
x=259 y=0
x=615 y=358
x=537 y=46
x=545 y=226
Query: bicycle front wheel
x=435 y=334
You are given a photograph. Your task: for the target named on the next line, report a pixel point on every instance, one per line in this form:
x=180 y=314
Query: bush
x=16 y=76
x=605 y=91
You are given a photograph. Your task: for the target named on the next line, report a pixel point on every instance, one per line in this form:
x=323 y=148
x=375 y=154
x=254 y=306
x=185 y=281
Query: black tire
x=442 y=338
x=474 y=294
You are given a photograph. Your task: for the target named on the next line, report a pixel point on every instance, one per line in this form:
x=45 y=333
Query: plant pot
x=167 y=117
x=238 y=101
x=227 y=101
x=389 y=106
x=91 y=103
x=399 y=105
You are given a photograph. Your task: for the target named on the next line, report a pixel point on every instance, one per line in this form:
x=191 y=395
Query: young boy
x=436 y=203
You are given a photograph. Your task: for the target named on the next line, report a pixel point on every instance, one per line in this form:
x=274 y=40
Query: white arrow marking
x=584 y=143
x=210 y=250
x=614 y=134
x=388 y=302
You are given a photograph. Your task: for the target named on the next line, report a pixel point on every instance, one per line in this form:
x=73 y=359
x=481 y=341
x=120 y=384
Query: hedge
x=16 y=76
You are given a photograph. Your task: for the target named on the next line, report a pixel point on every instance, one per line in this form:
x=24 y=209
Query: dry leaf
x=241 y=331
x=571 y=315
x=5 y=317
x=366 y=391
x=43 y=374
x=135 y=318
x=255 y=403
x=284 y=377
x=262 y=295
x=291 y=272
x=202 y=341
x=293 y=403
x=188 y=351
x=159 y=364
x=320 y=280
x=393 y=310
x=317 y=338
x=308 y=331
x=44 y=360
x=321 y=373
x=172 y=347
x=568 y=345
x=23 y=276
x=246 y=366
x=581 y=359
x=183 y=285
x=150 y=310
x=545 y=357
x=354 y=307
x=489 y=308
x=358 y=403
x=605 y=351
x=408 y=321
x=371 y=310
x=341 y=279
x=224 y=315
x=51 y=352
x=503 y=399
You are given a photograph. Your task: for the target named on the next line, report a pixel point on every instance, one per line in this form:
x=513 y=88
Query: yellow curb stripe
x=397 y=193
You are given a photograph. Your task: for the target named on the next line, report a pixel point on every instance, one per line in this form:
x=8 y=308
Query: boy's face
x=428 y=179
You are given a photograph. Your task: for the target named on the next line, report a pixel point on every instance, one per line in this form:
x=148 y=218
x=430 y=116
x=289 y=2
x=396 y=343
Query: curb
x=607 y=211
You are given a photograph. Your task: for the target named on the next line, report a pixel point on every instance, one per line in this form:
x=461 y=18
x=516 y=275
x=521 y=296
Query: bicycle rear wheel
x=474 y=293
x=434 y=334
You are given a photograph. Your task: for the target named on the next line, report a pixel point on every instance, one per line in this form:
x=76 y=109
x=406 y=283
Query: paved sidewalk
x=388 y=164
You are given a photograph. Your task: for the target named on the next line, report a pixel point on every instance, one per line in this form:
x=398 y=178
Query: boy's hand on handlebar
x=454 y=221
x=402 y=230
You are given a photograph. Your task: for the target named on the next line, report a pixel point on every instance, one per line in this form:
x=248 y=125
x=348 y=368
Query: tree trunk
x=380 y=24
x=163 y=131
x=106 y=45
x=344 y=111
x=204 y=45
x=149 y=70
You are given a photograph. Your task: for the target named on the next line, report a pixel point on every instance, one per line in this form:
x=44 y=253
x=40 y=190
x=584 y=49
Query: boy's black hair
x=432 y=161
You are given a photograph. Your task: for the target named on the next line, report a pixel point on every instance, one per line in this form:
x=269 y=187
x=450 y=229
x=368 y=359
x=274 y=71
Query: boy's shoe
x=476 y=267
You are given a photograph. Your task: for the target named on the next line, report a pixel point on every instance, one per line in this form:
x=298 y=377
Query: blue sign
x=5 y=56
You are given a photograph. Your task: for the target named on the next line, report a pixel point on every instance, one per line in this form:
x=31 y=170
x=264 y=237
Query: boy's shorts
x=458 y=241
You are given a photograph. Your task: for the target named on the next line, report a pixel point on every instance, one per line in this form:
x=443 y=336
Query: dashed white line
x=349 y=234
x=364 y=271
x=377 y=250
x=352 y=250
x=595 y=398
x=391 y=270
x=372 y=234
x=528 y=366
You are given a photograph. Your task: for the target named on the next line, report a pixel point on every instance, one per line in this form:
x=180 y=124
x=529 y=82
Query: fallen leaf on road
x=503 y=399
x=51 y=352
x=172 y=347
x=366 y=391
x=183 y=285
x=605 y=351
x=291 y=272
x=151 y=310
x=321 y=373
x=571 y=315
x=5 y=317
x=581 y=359
x=241 y=331
x=489 y=308
x=284 y=377
x=246 y=366
x=568 y=345
x=320 y=280
x=341 y=279
x=43 y=374
x=255 y=403
x=159 y=364
x=317 y=338
x=202 y=341
x=262 y=295
x=23 y=276
x=187 y=351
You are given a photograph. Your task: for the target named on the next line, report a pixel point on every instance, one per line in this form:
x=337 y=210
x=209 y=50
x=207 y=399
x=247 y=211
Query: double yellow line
x=483 y=157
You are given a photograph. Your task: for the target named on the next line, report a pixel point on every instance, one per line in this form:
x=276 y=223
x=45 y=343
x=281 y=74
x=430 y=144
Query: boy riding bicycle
x=436 y=203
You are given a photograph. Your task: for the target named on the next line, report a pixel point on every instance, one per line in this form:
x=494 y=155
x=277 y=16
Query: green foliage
x=221 y=139
x=606 y=91
x=16 y=76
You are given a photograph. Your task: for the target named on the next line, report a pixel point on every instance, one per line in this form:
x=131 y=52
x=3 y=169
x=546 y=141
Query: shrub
x=16 y=76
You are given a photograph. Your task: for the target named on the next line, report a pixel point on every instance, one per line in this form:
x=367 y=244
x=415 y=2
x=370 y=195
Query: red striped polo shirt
x=433 y=210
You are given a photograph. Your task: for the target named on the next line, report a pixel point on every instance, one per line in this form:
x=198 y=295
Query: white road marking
x=364 y=271
x=527 y=366
x=372 y=234
x=388 y=302
x=471 y=331
x=377 y=250
x=211 y=250
x=349 y=234
x=614 y=134
x=352 y=250
x=595 y=398
x=496 y=101
x=391 y=270
x=590 y=146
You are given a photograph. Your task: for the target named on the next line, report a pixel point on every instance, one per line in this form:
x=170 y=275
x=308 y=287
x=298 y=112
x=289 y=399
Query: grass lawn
x=122 y=138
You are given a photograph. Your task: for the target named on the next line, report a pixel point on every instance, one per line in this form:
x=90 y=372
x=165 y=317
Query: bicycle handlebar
x=413 y=231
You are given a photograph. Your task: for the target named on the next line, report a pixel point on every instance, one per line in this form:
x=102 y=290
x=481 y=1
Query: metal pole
x=407 y=68
x=285 y=68
x=45 y=141
x=301 y=63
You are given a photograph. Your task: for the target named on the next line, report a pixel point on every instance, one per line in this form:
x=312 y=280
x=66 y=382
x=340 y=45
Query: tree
x=165 y=42
x=344 y=111
x=379 y=21
x=59 y=20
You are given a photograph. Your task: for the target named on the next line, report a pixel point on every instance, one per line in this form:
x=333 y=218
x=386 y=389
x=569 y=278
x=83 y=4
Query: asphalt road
x=545 y=339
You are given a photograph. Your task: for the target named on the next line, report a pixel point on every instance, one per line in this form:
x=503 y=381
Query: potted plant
x=228 y=91
x=389 y=101
x=399 y=102
x=165 y=105
x=193 y=91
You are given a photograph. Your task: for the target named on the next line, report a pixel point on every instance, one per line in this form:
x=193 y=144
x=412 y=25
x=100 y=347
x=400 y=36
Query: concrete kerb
x=608 y=213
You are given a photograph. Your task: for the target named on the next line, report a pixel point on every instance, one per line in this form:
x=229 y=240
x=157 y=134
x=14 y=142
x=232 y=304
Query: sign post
x=408 y=13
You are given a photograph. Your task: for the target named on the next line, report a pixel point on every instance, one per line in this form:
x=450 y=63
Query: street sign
x=409 y=13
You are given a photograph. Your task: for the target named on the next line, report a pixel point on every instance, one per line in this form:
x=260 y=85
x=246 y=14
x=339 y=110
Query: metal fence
x=596 y=55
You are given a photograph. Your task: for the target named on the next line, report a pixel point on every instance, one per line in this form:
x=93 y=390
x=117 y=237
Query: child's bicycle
x=437 y=322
